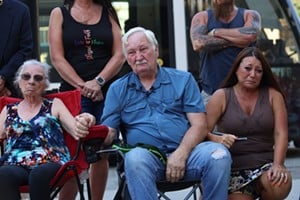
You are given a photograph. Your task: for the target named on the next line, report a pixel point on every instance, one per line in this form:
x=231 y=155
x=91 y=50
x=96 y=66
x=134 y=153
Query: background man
x=16 y=42
x=219 y=34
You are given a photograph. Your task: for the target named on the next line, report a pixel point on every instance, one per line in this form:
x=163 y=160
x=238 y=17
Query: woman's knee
x=270 y=191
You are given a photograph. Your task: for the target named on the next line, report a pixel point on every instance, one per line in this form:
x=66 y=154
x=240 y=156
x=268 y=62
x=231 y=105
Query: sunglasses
x=37 y=77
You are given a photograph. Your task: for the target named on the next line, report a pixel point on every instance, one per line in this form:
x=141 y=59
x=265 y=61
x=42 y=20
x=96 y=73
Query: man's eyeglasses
x=37 y=77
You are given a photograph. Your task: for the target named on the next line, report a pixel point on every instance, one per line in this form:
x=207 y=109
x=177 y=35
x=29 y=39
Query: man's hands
x=176 y=162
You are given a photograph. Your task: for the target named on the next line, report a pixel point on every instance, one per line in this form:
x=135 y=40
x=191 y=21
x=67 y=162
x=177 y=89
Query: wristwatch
x=100 y=81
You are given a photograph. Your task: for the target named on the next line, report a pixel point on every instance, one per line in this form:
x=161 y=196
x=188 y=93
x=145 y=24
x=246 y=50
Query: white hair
x=44 y=66
x=148 y=33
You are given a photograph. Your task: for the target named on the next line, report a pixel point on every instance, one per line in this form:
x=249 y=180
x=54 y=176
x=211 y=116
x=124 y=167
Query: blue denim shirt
x=157 y=116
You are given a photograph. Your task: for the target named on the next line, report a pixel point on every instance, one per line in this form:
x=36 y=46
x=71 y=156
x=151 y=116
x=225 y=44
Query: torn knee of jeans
x=219 y=153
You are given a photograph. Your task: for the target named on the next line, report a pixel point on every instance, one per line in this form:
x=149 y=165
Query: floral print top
x=36 y=141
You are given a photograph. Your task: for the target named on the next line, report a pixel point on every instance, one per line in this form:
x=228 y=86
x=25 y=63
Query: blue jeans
x=94 y=108
x=209 y=162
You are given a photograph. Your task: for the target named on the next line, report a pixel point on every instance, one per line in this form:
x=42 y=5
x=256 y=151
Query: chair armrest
x=93 y=142
x=97 y=131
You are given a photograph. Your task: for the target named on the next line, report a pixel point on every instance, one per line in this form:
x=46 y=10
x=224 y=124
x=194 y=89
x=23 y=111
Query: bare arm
x=200 y=38
x=194 y=135
x=68 y=122
x=116 y=61
x=63 y=67
x=278 y=174
x=243 y=36
x=112 y=134
x=2 y=120
x=214 y=109
x=221 y=38
x=281 y=128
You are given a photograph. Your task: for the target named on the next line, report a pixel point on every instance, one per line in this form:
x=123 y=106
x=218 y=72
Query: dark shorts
x=245 y=181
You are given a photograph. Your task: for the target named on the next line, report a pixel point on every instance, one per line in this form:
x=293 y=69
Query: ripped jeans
x=209 y=162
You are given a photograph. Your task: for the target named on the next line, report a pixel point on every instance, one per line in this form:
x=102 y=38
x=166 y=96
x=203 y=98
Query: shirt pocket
x=135 y=111
x=171 y=106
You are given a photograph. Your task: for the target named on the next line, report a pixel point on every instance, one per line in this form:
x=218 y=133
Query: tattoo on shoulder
x=198 y=30
x=255 y=25
x=255 y=19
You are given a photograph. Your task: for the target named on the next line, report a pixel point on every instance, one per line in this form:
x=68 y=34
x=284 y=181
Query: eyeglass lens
x=36 y=77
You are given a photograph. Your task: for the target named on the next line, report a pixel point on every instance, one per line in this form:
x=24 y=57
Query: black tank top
x=258 y=128
x=87 y=47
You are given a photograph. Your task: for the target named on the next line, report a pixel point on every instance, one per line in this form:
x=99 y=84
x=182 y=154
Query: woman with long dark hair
x=250 y=115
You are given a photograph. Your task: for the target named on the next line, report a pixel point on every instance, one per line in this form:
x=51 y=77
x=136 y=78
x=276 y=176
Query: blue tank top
x=36 y=141
x=87 y=47
x=214 y=66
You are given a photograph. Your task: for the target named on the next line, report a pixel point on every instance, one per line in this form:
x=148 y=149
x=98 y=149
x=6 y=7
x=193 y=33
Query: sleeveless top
x=87 y=47
x=257 y=150
x=215 y=65
x=39 y=140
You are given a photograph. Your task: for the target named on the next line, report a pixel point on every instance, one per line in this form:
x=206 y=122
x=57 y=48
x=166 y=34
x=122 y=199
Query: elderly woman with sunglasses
x=35 y=147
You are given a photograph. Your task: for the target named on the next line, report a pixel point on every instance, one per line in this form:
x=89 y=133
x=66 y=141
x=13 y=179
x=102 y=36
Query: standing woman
x=85 y=48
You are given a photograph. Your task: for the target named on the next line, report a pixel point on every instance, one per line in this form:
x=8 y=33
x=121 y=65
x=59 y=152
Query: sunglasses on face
x=37 y=77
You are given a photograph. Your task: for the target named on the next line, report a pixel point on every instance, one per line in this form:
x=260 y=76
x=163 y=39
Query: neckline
x=240 y=107
x=33 y=117
x=84 y=24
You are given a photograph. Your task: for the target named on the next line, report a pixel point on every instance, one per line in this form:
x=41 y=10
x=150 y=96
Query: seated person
x=162 y=107
x=35 y=148
x=251 y=104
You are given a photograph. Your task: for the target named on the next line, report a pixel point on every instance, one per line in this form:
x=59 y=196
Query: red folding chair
x=79 y=162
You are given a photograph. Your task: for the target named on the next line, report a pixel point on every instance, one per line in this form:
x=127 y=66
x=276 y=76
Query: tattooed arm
x=201 y=39
x=243 y=36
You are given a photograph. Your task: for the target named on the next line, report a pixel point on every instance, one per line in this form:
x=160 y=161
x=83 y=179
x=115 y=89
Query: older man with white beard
x=219 y=34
